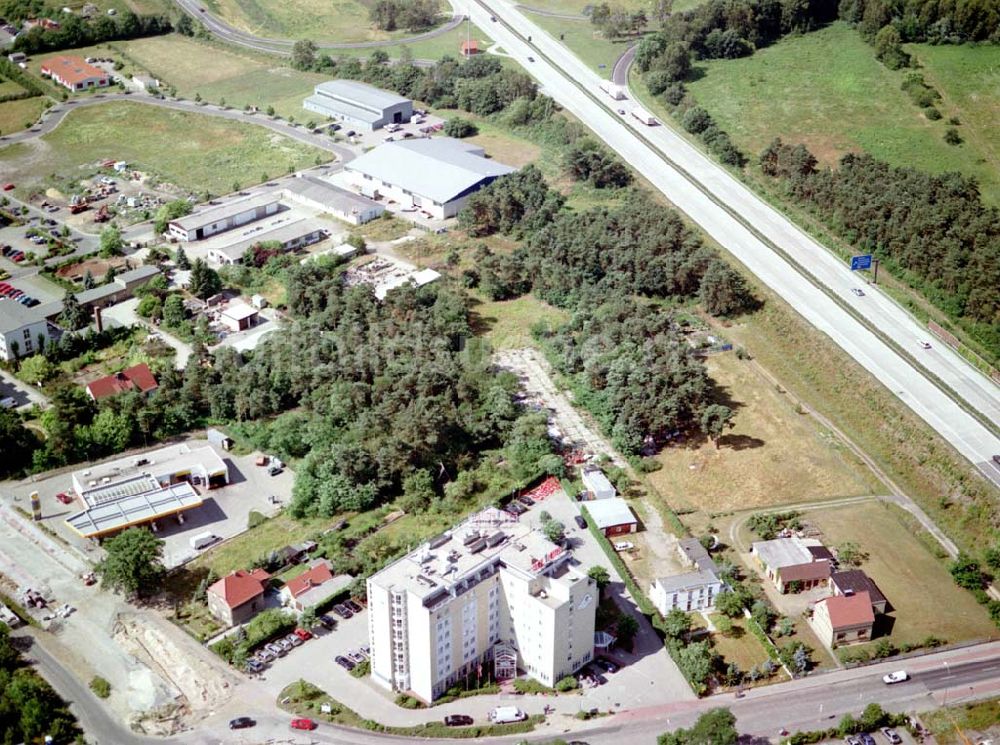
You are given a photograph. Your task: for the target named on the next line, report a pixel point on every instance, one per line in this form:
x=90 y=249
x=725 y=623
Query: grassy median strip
x=304 y=699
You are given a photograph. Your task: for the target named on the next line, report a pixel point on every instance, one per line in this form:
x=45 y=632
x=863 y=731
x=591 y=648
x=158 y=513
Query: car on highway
x=531 y=59
x=924 y=344
x=624 y=546
x=858 y=291
x=457 y=720
x=621 y=111
x=303 y=723
x=580 y=522
x=241 y=723
x=344 y=662
x=896 y=677
x=891 y=735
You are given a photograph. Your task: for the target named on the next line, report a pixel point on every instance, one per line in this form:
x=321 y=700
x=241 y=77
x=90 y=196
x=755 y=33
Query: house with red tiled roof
x=74 y=73
x=238 y=597
x=844 y=619
x=314 y=586
x=136 y=378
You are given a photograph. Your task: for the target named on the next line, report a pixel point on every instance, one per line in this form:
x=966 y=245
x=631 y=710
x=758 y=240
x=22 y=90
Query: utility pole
x=875 y=277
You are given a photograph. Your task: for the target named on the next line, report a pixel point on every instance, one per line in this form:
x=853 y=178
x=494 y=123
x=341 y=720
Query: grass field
x=584 y=39
x=508 y=322
x=18 y=115
x=319 y=20
x=974 y=720
x=9 y=87
x=827 y=90
x=900 y=564
x=193 y=152
x=774 y=455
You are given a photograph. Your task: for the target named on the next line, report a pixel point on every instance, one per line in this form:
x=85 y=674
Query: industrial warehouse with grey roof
x=318 y=194
x=359 y=104
x=435 y=176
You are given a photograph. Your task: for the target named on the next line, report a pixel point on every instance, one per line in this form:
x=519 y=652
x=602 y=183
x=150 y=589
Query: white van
x=200 y=541
x=507 y=714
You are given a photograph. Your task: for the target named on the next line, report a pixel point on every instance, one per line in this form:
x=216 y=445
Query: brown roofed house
x=137 y=378
x=74 y=73
x=844 y=619
x=855 y=581
x=238 y=597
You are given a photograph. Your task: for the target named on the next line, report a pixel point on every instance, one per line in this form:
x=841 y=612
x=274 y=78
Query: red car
x=64 y=498
x=303 y=723
x=8 y=187
x=303 y=634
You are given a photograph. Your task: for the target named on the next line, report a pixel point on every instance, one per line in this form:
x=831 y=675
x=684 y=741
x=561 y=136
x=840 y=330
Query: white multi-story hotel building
x=490 y=592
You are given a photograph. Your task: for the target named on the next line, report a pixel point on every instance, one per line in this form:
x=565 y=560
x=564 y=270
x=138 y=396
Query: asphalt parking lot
x=224 y=511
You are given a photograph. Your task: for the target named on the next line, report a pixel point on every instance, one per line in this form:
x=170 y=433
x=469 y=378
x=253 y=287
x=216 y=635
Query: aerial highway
x=956 y=400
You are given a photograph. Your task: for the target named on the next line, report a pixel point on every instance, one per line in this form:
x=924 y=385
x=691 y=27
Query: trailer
x=644 y=116
x=615 y=91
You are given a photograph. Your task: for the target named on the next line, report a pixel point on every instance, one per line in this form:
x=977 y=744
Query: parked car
x=624 y=546
x=284 y=644
x=64 y=498
x=355 y=656
x=265 y=655
x=891 y=735
x=254 y=666
x=8 y=187
x=355 y=606
x=580 y=522
x=303 y=723
x=526 y=500
x=897 y=677
x=276 y=649
x=303 y=635
x=241 y=723
x=866 y=739
x=457 y=720
x=343 y=611
x=294 y=639
x=607 y=665
x=327 y=622
x=344 y=662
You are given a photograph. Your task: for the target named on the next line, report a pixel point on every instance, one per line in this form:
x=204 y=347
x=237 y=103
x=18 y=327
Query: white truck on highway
x=507 y=715
x=644 y=116
x=615 y=91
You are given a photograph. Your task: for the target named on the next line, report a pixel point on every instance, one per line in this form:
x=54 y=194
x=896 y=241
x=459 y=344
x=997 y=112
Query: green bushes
x=100 y=687
x=264 y=627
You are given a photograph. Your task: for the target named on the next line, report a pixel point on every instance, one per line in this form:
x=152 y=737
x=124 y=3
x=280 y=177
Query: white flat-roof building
x=491 y=591
x=142 y=488
x=595 y=482
x=290 y=234
x=433 y=175
x=359 y=105
x=239 y=317
x=20 y=328
x=202 y=224
x=321 y=195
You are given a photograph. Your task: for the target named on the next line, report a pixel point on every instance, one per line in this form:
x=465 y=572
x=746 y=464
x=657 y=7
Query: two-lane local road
x=814 y=282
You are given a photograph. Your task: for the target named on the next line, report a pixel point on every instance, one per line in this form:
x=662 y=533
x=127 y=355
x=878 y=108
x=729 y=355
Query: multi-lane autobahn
x=956 y=400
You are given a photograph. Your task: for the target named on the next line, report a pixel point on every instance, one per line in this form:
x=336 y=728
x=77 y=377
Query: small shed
x=258 y=301
x=219 y=438
x=239 y=317
x=470 y=47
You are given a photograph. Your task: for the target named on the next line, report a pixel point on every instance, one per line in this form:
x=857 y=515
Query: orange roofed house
x=74 y=73
x=137 y=378
x=238 y=597
x=313 y=587
x=844 y=619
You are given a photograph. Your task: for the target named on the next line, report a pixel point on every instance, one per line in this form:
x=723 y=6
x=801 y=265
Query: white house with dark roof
x=432 y=175
x=20 y=328
x=359 y=105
